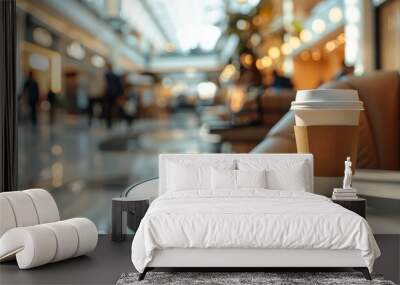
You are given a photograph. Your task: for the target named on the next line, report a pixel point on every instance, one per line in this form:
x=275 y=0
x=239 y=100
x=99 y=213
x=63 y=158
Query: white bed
x=249 y=227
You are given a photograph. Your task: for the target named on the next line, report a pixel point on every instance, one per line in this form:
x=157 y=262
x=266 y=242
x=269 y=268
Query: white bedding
x=252 y=218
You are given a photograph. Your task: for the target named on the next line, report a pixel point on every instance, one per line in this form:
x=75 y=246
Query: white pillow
x=181 y=177
x=292 y=175
x=223 y=179
x=295 y=180
x=226 y=179
x=251 y=178
x=187 y=175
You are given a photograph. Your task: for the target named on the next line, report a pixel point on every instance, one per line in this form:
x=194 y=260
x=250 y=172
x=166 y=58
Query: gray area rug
x=228 y=278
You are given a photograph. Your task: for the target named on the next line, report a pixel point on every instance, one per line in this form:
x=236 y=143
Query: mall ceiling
x=175 y=26
x=156 y=35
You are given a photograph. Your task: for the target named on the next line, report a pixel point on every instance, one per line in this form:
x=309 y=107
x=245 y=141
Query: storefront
x=60 y=64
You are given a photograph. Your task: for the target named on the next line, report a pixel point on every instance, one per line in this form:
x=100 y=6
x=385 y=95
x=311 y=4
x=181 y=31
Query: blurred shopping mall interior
x=104 y=86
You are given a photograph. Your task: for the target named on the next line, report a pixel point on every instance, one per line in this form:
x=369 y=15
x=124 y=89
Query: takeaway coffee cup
x=327 y=126
x=327 y=107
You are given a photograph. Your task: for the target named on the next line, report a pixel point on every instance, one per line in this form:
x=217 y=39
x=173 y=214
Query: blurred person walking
x=52 y=100
x=96 y=90
x=127 y=102
x=31 y=91
x=113 y=90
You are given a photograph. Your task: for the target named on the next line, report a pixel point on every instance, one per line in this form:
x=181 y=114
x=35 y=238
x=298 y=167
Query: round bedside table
x=144 y=190
x=121 y=209
x=357 y=206
x=130 y=208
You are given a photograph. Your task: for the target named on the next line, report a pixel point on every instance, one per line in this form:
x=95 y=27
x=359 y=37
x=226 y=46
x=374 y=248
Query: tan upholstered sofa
x=254 y=120
x=379 y=141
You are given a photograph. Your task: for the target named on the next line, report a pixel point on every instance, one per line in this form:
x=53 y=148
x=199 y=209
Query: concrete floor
x=103 y=266
x=106 y=264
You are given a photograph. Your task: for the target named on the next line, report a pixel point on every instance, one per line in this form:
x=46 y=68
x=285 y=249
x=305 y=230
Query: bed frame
x=238 y=259
x=246 y=259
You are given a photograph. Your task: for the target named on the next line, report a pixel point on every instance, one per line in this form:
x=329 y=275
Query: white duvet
x=250 y=219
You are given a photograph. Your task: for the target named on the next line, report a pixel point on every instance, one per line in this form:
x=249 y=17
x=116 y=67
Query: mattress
x=250 y=219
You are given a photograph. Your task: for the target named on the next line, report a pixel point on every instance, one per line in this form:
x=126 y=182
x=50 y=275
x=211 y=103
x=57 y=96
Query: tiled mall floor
x=85 y=167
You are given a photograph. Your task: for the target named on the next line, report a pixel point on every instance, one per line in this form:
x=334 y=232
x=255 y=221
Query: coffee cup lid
x=327 y=99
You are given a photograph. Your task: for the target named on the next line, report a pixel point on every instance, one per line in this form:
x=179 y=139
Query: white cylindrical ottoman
x=40 y=244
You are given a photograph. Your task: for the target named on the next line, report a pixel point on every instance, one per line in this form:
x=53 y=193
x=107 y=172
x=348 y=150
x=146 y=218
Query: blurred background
x=104 y=86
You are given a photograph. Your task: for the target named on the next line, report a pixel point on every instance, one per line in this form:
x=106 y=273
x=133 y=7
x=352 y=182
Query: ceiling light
x=330 y=46
x=335 y=14
x=76 y=50
x=305 y=35
x=246 y=59
x=263 y=62
x=97 y=61
x=42 y=37
x=286 y=49
x=230 y=68
x=228 y=72
x=318 y=25
x=294 y=42
x=274 y=52
x=207 y=90
x=242 y=25
x=255 y=39
x=266 y=61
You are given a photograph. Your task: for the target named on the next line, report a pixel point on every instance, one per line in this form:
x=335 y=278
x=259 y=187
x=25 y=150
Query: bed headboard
x=191 y=158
